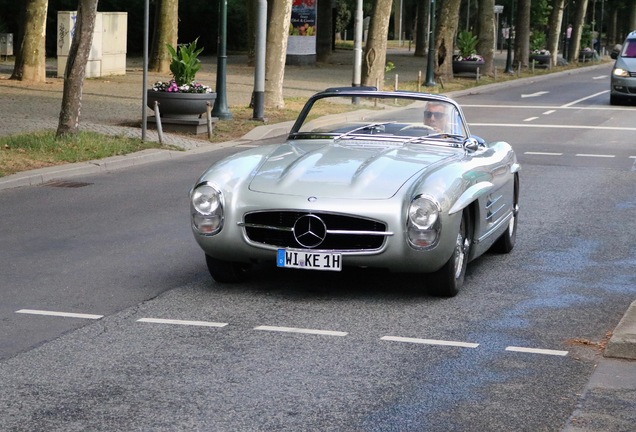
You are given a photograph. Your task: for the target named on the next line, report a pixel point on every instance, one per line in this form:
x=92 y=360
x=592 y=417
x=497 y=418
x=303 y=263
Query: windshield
x=629 y=49
x=384 y=117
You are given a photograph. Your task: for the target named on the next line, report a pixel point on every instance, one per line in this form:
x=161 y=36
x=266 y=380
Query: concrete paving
x=111 y=104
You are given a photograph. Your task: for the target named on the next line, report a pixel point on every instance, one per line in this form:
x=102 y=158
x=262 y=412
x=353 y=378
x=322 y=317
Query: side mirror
x=471 y=144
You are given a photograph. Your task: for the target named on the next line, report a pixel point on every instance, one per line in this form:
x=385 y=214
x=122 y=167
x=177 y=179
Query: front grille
x=344 y=232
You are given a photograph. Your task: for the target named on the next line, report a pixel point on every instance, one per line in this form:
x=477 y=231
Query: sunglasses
x=437 y=114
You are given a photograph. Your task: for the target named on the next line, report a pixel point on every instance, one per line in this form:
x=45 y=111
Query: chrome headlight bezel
x=423 y=222
x=206 y=209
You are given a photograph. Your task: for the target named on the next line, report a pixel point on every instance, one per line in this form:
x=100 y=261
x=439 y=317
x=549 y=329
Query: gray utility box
x=108 y=51
x=6 y=44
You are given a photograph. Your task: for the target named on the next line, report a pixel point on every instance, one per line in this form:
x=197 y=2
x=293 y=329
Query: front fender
x=470 y=195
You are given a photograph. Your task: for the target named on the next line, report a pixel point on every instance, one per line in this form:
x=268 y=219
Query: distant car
x=623 y=80
x=394 y=181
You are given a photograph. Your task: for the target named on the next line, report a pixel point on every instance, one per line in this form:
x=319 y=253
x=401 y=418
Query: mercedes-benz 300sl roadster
x=366 y=178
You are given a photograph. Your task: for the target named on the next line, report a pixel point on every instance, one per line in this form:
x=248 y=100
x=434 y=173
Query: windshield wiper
x=435 y=136
x=358 y=129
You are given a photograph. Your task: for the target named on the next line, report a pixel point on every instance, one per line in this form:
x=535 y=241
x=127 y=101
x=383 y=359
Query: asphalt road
x=515 y=350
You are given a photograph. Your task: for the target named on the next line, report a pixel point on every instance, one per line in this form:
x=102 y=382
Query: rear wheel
x=225 y=271
x=506 y=242
x=447 y=281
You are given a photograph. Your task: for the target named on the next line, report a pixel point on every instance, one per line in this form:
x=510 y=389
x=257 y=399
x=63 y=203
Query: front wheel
x=447 y=281
x=225 y=271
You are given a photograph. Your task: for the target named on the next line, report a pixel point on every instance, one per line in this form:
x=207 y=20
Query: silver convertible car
x=366 y=178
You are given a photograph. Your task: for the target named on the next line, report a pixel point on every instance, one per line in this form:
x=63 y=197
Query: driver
x=436 y=116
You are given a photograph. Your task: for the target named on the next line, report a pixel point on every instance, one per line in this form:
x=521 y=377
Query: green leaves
x=184 y=64
x=466 y=43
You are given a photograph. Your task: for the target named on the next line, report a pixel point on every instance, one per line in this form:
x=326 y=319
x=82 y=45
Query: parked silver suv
x=623 y=81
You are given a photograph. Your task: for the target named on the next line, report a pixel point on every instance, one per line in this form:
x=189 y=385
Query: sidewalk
x=109 y=102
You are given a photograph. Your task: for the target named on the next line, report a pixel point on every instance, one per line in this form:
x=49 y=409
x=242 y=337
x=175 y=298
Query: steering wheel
x=417 y=129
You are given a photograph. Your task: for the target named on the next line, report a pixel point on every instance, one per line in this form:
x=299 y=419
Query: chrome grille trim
x=275 y=229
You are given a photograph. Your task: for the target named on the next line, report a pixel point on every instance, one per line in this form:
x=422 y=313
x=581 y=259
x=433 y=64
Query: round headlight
x=206 y=200
x=423 y=213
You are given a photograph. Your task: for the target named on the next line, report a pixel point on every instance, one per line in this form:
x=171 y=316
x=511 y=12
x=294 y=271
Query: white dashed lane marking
x=59 y=314
x=298 y=330
x=537 y=351
x=430 y=341
x=594 y=155
x=182 y=322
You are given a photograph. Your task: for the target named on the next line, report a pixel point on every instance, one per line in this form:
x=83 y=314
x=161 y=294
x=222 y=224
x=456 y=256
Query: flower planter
x=542 y=59
x=467 y=66
x=180 y=105
x=585 y=55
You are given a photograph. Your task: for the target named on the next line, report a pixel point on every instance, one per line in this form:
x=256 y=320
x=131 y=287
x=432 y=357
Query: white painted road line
x=549 y=112
x=430 y=341
x=585 y=98
x=182 y=322
x=543 y=153
x=547 y=126
x=537 y=351
x=594 y=155
x=300 y=330
x=529 y=119
x=59 y=314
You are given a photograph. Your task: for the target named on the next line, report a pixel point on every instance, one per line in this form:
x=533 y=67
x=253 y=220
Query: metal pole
x=144 y=94
x=220 y=109
x=357 y=46
x=400 y=26
x=430 y=68
x=259 y=70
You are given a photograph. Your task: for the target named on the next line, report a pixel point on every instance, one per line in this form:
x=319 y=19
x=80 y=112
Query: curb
x=622 y=344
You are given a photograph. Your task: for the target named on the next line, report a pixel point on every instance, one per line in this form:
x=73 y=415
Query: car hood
x=627 y=63
x=358 y=171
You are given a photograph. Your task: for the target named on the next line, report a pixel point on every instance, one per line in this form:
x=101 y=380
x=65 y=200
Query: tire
x=447 y=281
x=225 y=271
x=615 y=100
x=506 y=242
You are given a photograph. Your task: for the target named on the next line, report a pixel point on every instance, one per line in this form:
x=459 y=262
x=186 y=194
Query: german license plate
x=308 y=260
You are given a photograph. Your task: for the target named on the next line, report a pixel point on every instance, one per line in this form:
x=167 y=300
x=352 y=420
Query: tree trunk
x=397 y=19
x=324 y=30
x=30 y=62
x=577 y=31
x=445 y=37
x=486 y=37
x=76 y=67
x=556 y=19
x=374 y=61
x=166 y=31
x=522 y=38
x=632 y=16
x=421 y=32
x=276 y=52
